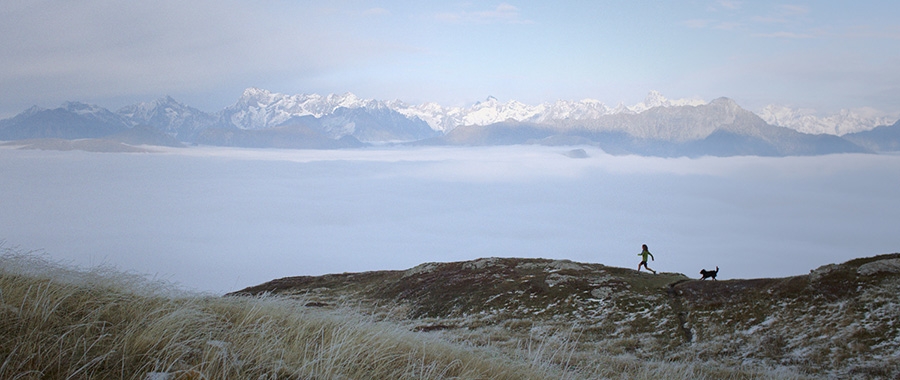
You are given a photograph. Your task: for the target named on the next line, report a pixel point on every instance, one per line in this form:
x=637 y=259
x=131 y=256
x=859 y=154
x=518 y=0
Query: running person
x=644 y=254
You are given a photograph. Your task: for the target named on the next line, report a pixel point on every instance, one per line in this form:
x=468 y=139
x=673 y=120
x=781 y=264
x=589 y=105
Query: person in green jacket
x=644 y=254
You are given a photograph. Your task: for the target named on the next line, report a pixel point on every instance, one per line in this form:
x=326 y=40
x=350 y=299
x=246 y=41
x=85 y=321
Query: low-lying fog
x=219 y=219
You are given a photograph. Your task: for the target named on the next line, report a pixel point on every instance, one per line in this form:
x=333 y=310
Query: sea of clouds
x=221 y=219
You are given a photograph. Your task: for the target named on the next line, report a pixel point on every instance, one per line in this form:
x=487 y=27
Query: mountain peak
x=80 y=108
x=77 y=106
x=655 y=99
x=32 y=110
x=490 y=100
x=167 y=100
x=724 y=102
x=730 y=107
x=251 y=92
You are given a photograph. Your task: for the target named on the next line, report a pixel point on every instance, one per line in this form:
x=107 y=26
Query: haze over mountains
x=657 y=126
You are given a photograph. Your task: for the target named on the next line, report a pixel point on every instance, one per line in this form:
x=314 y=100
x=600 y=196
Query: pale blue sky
x=826 y=55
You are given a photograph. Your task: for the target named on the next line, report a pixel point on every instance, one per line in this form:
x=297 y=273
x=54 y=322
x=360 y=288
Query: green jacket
x=646 y=253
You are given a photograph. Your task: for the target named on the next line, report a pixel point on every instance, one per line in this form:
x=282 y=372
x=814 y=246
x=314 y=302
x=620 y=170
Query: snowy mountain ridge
x=807 y=121
x=336 y=116
x=168 y=115
x=259 y=109
x=491 y=110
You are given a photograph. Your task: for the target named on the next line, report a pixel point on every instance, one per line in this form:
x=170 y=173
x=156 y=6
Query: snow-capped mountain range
x=657 y=125
x=258 y=109
x=807 y=121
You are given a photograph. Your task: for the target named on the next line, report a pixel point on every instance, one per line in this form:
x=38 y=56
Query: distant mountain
x=169 y=116
x=260 y=109
x=492 y=111
x=336 y=116
x=73 y=120
x=503 y=133
x=839 y=124
x=885 y=138
x=289 y=136
x=260 y=118
x=720 y=128
x=375 y=125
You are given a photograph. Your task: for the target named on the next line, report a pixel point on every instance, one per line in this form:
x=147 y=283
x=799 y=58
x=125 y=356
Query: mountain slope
x=720 y=128
x=71 y=121
x=840 y=320
x=374 y=125
x=839 y=124
x=169 y=116
x=885 y=138
x=294 y=135
x=335 y=116
x=506 y=133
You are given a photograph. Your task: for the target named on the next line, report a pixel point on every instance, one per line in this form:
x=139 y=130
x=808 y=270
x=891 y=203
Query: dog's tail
x=717 y=269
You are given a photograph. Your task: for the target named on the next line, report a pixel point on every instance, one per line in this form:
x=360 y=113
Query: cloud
x=782 y=14
x=730 y=4
x=502 y=14
x=789 y=18
x=697 y=23
x=377 y=12
x=85 y=50
x=220 y=219
x=792 y=9
x=711 y=24
x=789 y=35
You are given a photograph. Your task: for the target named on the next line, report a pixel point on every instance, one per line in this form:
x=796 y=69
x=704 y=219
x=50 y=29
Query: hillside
x=885 y=138
x=840 y=320
x=63 y=323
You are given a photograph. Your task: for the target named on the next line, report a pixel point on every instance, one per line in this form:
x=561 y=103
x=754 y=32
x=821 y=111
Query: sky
x=221 y=219
x=825 y=55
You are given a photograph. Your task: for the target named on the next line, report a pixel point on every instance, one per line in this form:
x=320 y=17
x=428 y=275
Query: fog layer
x=219 y=219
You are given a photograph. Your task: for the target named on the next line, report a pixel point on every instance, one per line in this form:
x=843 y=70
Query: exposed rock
x=880 y=266
x=818 y=273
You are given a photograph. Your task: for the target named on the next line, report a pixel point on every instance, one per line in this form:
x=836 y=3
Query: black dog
x=709 y=273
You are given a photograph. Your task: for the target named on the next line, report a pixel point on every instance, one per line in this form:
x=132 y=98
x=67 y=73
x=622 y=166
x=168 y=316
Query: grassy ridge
x=62 y=323
x=838 y=321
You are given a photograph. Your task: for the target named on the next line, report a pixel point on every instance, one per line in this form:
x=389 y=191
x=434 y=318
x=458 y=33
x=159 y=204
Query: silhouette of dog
x=709 y=273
